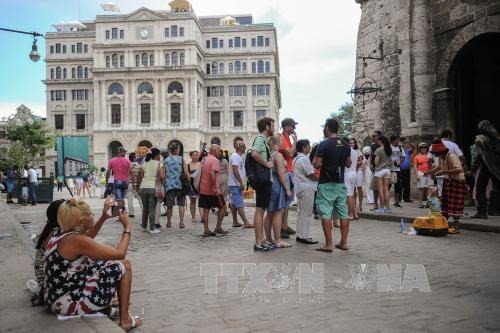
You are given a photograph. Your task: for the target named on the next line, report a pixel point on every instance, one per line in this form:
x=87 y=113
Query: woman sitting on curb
x=82 y=275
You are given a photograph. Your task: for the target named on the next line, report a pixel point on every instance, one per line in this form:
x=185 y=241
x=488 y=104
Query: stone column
x=126 y=105
x=105 y=118
x=163 y=103
x=133 y=103
x=96 y=101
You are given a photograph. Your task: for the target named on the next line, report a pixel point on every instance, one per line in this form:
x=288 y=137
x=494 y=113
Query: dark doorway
x=113 y=148
x=475 y=75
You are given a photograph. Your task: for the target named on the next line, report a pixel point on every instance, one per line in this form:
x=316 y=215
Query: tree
x=29 y=137
x=346 y=118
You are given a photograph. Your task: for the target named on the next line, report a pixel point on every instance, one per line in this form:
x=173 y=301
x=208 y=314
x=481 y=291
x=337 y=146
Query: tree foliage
x=29 y=137
x=346 y=118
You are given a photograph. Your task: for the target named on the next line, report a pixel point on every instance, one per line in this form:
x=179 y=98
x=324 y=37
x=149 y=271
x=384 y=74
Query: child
x=24 y=193
x=433 y=201
x=40 y=249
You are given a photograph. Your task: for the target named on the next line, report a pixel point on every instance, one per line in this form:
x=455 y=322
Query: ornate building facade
x=427 y=65
x=151 y=77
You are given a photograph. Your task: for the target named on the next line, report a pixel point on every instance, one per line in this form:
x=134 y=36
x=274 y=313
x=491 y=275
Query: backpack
x=258 y=175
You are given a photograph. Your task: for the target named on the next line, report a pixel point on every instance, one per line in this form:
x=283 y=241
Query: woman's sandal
x=136 y=322
x=181 y=225
x=283 y=245
x=114 y=313
x=209 y=234
x=338 y=246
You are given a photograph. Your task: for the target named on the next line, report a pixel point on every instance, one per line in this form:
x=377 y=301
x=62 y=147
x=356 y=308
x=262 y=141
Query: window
x=73 y=72
x=51 y=49
x=175 y=59
x=64 y=49
x=114 y=60
x=79 y=72
x=58 y=72
x=214 y=43
x=221 y=68
x=59 y=121
x=73 y=48
x=181 y=32
x=80 y=121
x=230 y=68
x=175 y=113
x=238 y=90
x=85 y=48
x=115 y=88
x=65 y=73
x=260 y=41
x=260 y=66
x=237 y=67
x=268 y=67
x=181 y=59
x=259 y=114
x=107 y=62
x=116 y=114
x=167 y=59
x=175 y=86
x=86 y=70
x=122 y=61
x=167 y=32
x=52 y=73
x=78 y=47
x=107 y=34
x=230 y=43
x=208 y=68
x=215 y=68
x=145 y=113
x=244 y=67
x=137 y=60
x=80 y=95
x=58 y=95
x=238 y=118
x=144 y=59
x=254 y=67
x=221 y=44
x=237 y=42
x=114 y=33
x=215 y=119
x=267 y=42
x=122 y=34
x=260 y=90
x=208 y=44
x=58 y=48
x=151 y=60
x=244 y=42
x=173 y=30
x=253 y=42
x=215 y=91
x=145 y=88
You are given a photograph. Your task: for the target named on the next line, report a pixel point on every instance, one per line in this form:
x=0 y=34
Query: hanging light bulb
x=34 y=55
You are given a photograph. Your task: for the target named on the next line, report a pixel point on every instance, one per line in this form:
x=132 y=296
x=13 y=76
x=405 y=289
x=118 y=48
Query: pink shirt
x=120 y=167
x=206 y=186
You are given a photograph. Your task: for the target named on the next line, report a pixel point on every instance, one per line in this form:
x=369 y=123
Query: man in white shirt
x=236 y=184
x=33 y=181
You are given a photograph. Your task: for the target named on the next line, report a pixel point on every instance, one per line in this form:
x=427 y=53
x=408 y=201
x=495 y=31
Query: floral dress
x=80 y=286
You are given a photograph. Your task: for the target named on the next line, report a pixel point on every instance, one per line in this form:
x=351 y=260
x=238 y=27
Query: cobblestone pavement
x=462 y=270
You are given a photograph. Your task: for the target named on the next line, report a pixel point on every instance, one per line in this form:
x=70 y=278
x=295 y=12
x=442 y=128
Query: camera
x=115 y=210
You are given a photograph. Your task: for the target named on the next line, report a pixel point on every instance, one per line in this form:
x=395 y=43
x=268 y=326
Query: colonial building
x=427 y=65
x=150 y=77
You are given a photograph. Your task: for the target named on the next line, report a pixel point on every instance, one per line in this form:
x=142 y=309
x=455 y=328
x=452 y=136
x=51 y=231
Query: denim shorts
x=236 y=194
x=120 y=188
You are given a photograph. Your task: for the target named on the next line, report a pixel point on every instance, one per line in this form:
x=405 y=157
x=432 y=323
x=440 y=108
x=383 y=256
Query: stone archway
x=113 y=148
x=145 y=143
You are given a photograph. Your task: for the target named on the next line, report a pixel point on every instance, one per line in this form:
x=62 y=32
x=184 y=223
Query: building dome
x=180 y=6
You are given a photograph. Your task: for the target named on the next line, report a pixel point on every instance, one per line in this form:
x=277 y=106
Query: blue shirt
x=173 y=164
x=406 y=163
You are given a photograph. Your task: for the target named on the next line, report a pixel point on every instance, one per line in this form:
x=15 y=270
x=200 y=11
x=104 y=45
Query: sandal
x=221 y=232
x=248 y=225
x=283 y=244
x=181 y=225
x=237 y=225
x=338 y=246
x=322 y=249
x=169 y=225
x=114 y=313
x=209 y=234
x=136 y=322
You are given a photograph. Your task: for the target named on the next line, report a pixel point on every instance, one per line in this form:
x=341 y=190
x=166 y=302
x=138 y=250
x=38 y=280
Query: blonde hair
x=71 y=213
x=274 y=141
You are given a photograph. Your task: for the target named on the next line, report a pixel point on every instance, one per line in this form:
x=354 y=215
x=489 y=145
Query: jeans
x=305 y=204
x=149 y=203
x=32 y=192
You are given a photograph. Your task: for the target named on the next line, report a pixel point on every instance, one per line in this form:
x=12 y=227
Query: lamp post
x=34 y=55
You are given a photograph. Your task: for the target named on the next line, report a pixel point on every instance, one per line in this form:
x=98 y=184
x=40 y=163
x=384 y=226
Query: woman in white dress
x=367 y=174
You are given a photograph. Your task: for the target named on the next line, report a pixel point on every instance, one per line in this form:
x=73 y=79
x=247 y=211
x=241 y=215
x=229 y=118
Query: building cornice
x=52 y=60
x=67 y=81
x=71 y=34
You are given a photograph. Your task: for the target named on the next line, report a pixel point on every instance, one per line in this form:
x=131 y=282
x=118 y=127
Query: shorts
x=120 y=188
x=350 y=181
x=207 y=201
x=174 y=196
x=263 y=195
x=384 y=173
x=331 y=200
x=359 y=178
x=236 y=194
x=424 y=181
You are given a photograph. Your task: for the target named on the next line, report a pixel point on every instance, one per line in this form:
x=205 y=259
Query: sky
x=317 y=49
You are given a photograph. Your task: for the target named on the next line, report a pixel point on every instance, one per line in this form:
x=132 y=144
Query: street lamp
x=34 y=55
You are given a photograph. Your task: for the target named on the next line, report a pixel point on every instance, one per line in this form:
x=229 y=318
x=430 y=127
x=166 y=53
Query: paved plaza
x=170 y=293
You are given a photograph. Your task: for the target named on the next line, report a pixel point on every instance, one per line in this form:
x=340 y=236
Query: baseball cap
x=288 y=122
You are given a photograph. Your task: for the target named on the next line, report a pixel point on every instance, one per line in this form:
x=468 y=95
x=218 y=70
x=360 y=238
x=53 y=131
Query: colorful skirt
x=452 y=200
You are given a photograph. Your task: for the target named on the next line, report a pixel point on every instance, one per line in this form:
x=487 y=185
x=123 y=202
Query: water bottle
x=402 y=226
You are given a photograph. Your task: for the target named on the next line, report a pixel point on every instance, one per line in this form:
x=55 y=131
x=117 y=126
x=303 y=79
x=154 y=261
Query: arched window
x=52 y=73
x=221 y=68
x=58 y=72
x=122 y=61
x=167 y=59
x=175 y=59
x=215 y=68
x=237 y=67
x=73 y=73
x=108 y=63
x=254 y=67
x=244 y=67
x=137 y=60
x=144 y=59
x=145 y=87
x=86 y=72
x=114 y=60
x=151 y=60
x=230 y=68
x=260 y=66
x=175 y=86
x=115 y=88
x=65 y=73
x=268 y=67
x=181 y=59
x=79 y=72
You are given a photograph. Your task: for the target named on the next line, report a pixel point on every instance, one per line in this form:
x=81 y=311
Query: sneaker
x=379 y=210
x=387 y=210
x=284 y=234
x=155 y=231
x=260 y=247
x=398 y=205
x=157 y=225
x=290 y=231
x=270 y=245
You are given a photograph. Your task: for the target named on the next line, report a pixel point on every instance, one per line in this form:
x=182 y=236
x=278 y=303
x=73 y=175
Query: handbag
x=197 y=178
x=185 y=181
x=159 y=189
x=394 y=177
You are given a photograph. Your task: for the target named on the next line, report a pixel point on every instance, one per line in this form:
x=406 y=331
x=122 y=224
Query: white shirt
x=452 y=147
x=354 y=160
x=237 y=160
x=302 y=168
x=32 y=176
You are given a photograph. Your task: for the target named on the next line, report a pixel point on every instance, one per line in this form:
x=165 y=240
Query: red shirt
x=120 y=167
x=206 y=185
x=286 y=144
x=422 y=162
